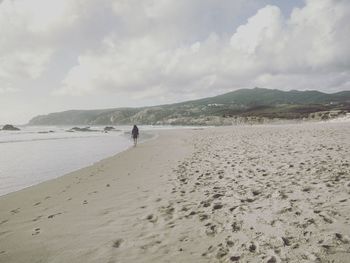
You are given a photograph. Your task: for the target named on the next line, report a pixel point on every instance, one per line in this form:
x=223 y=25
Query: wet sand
x=270 y=193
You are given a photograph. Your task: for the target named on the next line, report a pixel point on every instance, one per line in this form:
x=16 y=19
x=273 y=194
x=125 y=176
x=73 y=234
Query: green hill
x=259 y=96
x=243 y=103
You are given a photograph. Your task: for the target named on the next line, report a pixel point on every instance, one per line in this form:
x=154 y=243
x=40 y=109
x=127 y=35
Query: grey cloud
x=269 y=44
x=148 y=52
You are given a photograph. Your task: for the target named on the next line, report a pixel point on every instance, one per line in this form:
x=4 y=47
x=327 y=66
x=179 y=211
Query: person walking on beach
x=135 y=134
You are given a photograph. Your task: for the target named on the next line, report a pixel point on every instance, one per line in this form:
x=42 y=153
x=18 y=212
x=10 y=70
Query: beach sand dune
x=269 y=193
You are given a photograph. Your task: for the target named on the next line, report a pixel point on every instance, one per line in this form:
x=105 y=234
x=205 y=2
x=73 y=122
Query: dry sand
x=233 y=194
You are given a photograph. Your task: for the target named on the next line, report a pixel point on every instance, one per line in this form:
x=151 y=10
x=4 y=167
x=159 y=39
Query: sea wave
x=47 y=139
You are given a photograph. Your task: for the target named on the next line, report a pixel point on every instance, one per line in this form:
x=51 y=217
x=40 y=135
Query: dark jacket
x=135 y=132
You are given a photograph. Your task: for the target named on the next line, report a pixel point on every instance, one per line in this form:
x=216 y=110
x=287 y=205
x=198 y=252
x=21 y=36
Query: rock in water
x=78 y=129
x=9 y=127
x=108 y=128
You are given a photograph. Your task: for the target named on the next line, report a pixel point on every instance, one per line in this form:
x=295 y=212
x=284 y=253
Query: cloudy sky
x=84 y=54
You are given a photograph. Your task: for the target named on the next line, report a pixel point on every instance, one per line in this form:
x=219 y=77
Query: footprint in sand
x=256 y=192
x=117 y=243
x=53 y=215
x=167 y=211
x=235 y=258
x=37 y=218
x=272 y=259
x=183 y=238
x=192 y=213
x=152 y=218
x=211 y=229
x=217 y=206
x=36 y=232
x=343 y=238
x=4 y=233
x=222 y=252
x=215 y=196
x=326 y=218
x=15 y=211
x=236 y=226
x=233 y=208
x=253 y=247
x=203 y=217
x=209 y=250
x=3 y=221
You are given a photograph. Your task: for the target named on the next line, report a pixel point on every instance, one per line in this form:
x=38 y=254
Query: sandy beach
x=264 y=193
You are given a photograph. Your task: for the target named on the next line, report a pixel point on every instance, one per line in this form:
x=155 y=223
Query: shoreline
x=34 y=214
x=269 y=193
x=65 y=166
x=152 y=137
x=154 y=134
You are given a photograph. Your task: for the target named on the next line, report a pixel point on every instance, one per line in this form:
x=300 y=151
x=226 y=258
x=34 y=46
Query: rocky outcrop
x=108 y=128
x=78 y=129
x=9 y=127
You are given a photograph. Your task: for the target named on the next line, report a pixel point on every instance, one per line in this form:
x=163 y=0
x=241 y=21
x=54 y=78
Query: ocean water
x=34 y=154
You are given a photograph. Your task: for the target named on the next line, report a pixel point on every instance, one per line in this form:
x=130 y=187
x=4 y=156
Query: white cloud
x=269 y=50
x=31 y=31
x=154 y=51
x=261 y=28
x=180 y=21
x=22 y=51
x=24 y=63
x=41 y=15
x=7 y=90
x=140 y=64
